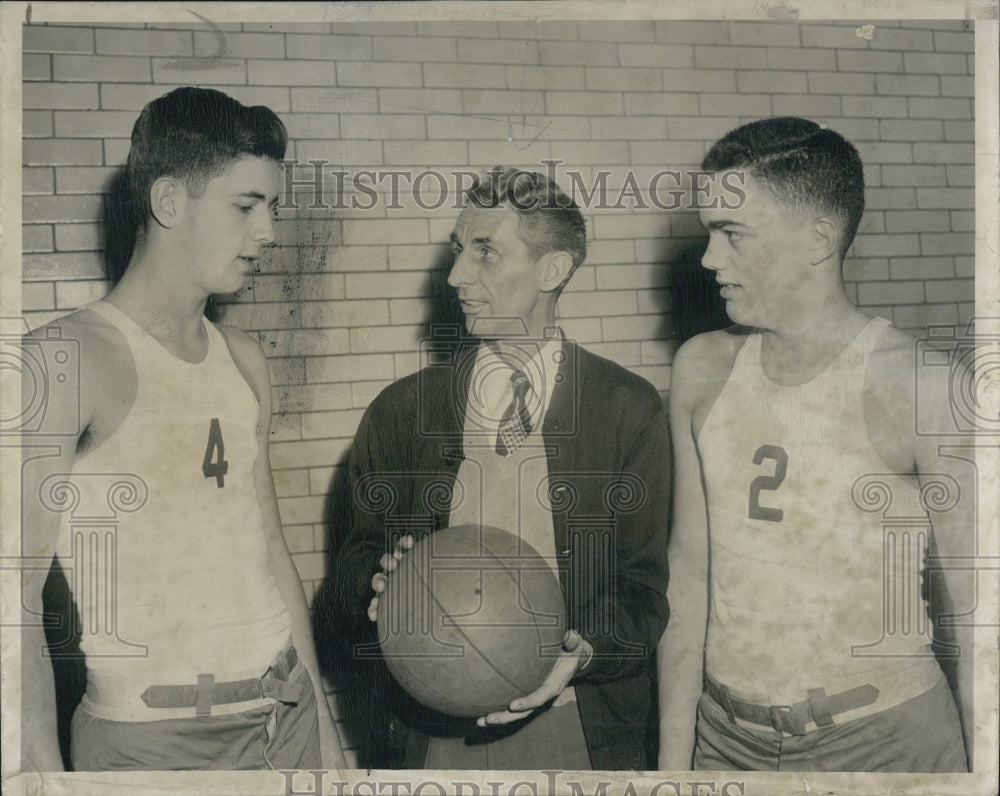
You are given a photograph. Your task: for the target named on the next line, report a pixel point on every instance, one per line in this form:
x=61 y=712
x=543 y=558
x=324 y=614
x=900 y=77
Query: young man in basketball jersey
x=799 y=465
x=523 y=429
x=159 y=498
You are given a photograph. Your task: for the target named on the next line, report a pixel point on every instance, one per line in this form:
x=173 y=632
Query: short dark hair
x=549 y=220
x=195 y=134
x=801 y=163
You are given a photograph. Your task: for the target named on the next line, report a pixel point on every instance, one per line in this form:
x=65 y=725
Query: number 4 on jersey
x=214 y=464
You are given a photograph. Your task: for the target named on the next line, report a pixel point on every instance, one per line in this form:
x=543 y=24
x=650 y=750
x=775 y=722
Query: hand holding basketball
x=388 y=562
x=470 y=619
x=576 y=654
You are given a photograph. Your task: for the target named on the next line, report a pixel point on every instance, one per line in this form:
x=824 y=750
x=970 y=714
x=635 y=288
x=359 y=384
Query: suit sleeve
x=364 y=539
x=630 y=611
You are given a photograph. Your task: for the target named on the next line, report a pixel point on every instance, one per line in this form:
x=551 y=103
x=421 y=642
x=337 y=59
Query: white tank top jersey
x=164 y=544
x=803 y=591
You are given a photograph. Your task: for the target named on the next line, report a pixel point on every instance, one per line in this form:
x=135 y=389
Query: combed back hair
x=801 y=163
x=194 y=134
x=548 y=219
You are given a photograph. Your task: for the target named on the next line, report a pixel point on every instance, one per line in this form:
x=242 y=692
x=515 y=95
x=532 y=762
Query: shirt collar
x=490 y=391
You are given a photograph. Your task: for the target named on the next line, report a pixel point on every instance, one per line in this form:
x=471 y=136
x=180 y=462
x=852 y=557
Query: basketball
x=472 y=618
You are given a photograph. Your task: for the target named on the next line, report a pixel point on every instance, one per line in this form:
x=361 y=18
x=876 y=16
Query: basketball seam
x=485 y=551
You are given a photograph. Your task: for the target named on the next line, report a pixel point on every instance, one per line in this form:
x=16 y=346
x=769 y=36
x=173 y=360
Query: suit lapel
x=560 y=428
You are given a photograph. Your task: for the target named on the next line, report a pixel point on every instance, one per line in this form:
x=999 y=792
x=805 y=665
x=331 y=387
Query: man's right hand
x=388 y=562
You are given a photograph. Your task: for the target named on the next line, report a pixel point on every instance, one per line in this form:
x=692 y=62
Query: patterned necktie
x=515 y=424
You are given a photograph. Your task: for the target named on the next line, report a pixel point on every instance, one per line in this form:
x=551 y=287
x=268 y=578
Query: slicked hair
x=194 y=134
x=801 y=163
x=548 y=219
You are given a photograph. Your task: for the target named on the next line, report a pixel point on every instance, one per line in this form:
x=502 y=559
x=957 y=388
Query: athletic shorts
x=922 y=735
x=277 y=736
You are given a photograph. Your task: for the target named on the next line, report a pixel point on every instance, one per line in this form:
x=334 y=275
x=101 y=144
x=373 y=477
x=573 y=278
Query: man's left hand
x=575 y=655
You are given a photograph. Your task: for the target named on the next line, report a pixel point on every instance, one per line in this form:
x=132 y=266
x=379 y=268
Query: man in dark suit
x=525 y=430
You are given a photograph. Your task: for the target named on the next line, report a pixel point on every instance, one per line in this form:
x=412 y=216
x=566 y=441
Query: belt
x=820 y=707
x=272 y=684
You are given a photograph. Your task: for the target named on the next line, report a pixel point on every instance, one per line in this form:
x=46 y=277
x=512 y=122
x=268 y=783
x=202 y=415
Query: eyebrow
x=454 y=239
x=252 y=195
x=258 y=196
x=720 y=223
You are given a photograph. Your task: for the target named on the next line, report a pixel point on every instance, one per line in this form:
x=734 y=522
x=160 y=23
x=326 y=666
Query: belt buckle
x=783 y=719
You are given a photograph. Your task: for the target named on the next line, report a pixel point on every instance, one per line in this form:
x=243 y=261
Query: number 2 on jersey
x=767 y=482
x=214 y=464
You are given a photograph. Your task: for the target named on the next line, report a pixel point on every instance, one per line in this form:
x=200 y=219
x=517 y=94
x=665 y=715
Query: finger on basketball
x=502 y=717
x=388 y=562
x=404 y=544
x=550 y=689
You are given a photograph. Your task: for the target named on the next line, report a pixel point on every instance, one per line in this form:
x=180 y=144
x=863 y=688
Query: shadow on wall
x=69 y=664
x=364 y=687
x=119 y=227
x=695 y=304
x=445 y=325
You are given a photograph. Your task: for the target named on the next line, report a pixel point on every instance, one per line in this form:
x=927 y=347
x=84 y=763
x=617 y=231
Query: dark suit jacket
x=609 y=479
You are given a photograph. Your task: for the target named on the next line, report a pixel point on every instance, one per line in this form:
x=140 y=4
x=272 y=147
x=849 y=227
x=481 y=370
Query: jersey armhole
x=872 y=380
x=716 y=384
x=123 y=349
x=237 y=359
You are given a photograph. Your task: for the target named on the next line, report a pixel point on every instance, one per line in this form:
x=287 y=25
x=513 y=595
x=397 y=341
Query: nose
x=460 y=273
x=711 y=259
x=263 y=228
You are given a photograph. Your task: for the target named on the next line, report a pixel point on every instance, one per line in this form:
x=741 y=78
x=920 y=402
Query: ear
x=555 y=267
x=166 y=201
x=825 y=240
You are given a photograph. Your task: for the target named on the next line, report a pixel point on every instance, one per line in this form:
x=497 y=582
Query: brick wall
x=347 y=295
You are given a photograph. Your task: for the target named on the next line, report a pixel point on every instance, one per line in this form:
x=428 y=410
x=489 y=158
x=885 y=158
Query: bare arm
x=286 y=577
x=39 y=529
x=48 y=448
x=954 y=533
x=945 y=461
x=680 y=655
x=910 y=423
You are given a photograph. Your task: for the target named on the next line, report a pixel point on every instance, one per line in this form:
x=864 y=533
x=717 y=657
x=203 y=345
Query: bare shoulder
x=703 y=364
x=897 y=390
x=892 y=371
x=896 y=347
x=699 y=371
x=82 y=327
x=96 y=371
x=249 y=358
x=243 y=345
x=925 y=383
